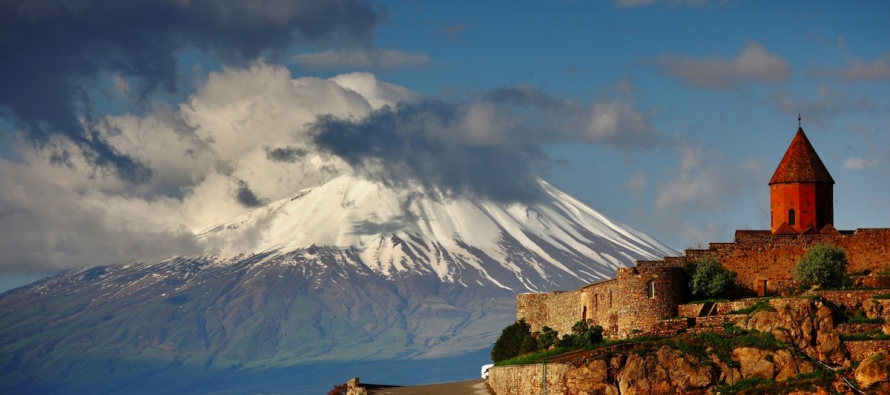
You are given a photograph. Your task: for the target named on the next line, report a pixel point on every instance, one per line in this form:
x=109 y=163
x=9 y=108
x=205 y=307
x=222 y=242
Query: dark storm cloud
x=247 y=197
x=52 y=52
x=425 y=142
x=285 y=154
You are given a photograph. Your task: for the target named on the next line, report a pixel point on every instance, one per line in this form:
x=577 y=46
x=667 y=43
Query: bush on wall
x=509 y=344
x=824 y=265
x=708 y=278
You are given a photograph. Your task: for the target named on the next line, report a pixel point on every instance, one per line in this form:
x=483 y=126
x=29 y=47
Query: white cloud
x=753 y=65
x=857 y=163
x=859 y=70
x=360 y=59
x=250 y=133
x=705 y=181
x=61 y=216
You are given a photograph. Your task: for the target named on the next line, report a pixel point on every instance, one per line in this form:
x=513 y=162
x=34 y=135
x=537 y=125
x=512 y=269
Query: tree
x=708 y=278
x=547 y=337
x=509 y=343
x=583 y=335
x=824 y=265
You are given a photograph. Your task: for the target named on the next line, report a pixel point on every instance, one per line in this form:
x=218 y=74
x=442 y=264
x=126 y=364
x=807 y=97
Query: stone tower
x=801 y=196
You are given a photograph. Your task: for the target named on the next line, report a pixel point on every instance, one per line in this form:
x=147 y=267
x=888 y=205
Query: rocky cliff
x=785 y=346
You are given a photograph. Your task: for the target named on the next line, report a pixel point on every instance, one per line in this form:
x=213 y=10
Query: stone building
x=639 y=298
x=633 y=302
x=800 y=191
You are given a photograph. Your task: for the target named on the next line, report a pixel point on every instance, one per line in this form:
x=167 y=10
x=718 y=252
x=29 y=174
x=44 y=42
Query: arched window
x=584 y=313
x=610 y=299
x=651 y=289
x=596 y=301
x=791 y=217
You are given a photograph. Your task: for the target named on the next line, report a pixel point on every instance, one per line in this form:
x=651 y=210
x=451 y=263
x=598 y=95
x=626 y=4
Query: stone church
x=801 y=215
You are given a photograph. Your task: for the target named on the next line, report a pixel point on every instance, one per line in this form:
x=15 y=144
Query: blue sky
x=669 y=116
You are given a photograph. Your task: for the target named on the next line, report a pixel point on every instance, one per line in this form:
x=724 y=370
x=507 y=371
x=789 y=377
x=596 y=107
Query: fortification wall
x=759 y=257
x=600 y=304
x=533 y=308
x=528 y=379
x=632 y=302
x=649 y=292
x=559 y=310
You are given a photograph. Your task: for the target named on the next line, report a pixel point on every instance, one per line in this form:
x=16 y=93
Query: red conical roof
x=801 y=163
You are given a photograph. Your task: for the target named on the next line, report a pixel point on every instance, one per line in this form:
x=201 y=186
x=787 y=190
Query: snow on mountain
x=407 y=230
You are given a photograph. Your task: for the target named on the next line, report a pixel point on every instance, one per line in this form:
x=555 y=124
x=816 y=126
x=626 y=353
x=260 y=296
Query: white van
x=485 y=370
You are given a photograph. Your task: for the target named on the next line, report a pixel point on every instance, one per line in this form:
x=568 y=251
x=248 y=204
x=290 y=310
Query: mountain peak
x=409 y=229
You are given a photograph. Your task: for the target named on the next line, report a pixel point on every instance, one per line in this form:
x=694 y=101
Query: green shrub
x=708 y=278
x=509 y=343
x=546 y=338
x=824 y=265
x=528 y=345
x=584 y=335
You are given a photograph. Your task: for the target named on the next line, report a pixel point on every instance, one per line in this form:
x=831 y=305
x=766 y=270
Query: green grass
x=881 y=296
x=861 y=319
x=532 y=357
x=870 y=335
x=539 y=356
x=708 y=301
x=746 y=386
x=762 y=305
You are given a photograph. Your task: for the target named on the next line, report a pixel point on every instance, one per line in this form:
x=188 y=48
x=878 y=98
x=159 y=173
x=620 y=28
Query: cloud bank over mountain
x=254 y=135
x=56 y=54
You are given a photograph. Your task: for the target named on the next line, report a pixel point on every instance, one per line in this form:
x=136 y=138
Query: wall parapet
x=528 y=379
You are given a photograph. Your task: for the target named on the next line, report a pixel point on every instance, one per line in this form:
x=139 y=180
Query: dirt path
x=472 y=387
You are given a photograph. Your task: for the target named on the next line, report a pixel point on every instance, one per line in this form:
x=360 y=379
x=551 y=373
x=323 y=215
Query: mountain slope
x=553 y=242
x=345 y=272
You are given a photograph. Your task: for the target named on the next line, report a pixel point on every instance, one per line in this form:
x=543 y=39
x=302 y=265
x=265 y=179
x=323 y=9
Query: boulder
x=728 y=374
x=873 y=309
x=685 y=371
x=788 y=367
x=642 y=375
x=873 y=370
x=590 y=379
x=754 y=363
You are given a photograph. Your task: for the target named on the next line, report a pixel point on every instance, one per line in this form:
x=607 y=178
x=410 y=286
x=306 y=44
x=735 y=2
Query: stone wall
x=735 y=305
x=558 y=310
x=760 y=257
x=853 y=299
x=689 y=310
x=861 y=349
x=533 y=309
x=631 y=303
x=600 y=303
x=527 y=379
x=648 y=293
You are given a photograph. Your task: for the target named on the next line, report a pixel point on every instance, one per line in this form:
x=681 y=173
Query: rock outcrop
x=773 y=347
x=874 y=369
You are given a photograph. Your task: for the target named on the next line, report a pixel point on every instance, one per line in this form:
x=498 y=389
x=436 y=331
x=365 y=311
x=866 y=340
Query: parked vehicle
x=485 y=370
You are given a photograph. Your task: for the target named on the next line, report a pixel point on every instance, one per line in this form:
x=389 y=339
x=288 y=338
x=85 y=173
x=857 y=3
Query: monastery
x=639 y=298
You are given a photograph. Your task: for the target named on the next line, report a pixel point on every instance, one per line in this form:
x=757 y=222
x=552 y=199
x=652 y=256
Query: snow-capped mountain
x=304 y=289
x=555 y=241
